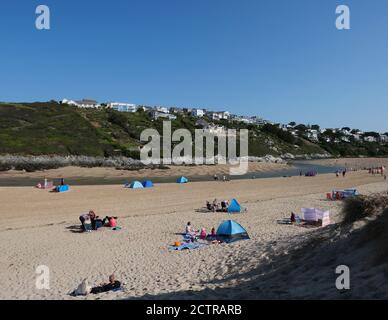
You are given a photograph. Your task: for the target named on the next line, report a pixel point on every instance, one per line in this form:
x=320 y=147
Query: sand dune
x=40 y=228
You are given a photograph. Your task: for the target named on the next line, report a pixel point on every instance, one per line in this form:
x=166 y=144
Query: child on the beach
x=203 y=234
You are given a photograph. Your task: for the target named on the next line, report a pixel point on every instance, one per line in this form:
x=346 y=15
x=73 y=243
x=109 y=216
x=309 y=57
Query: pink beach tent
x=316 y=215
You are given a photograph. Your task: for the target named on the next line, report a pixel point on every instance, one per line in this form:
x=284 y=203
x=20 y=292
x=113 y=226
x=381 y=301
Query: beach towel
x=187 y=246
x=284 y=221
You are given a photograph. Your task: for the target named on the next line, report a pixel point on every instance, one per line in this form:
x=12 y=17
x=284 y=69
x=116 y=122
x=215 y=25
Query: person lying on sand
x=110 y=221
x=105 y=287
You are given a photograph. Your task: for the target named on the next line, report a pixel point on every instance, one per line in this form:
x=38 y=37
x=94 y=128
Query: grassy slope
x=50 y=128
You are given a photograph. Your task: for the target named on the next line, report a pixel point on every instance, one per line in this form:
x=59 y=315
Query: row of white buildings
x=164 y=112
x=160 y=112
x=344 y=135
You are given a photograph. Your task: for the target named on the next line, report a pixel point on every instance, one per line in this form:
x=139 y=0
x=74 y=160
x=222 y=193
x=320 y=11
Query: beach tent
x=63 y=188
x=234 y=206
x=147 y=184
x=182 y=180
x=230 y=231
x=311 y=174
x=316 y=215
x=135 y=185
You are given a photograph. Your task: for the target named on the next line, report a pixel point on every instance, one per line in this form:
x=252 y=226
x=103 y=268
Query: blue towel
x=188 y=246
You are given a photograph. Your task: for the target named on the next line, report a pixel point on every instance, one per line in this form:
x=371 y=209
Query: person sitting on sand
x=212 y=235
x=85 y=222
x=190 y=232
x=189 y=228
x=224 y=206
x=93 y=218
x=87 y=225
x=292 y=218
x=105 y=287
x=209 y=206
x=203 y=234
x=215 y=205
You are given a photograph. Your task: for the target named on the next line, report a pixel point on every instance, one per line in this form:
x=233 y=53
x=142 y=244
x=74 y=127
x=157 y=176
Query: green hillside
x=50 y=128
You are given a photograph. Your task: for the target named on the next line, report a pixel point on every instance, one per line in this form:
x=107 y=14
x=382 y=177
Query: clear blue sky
x=283 y=60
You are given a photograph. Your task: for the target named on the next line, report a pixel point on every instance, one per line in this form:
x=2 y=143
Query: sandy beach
x=203 y=170
x=355 y=163
x=41 y=228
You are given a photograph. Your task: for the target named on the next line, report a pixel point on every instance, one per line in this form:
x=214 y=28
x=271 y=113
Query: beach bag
x=83 y=289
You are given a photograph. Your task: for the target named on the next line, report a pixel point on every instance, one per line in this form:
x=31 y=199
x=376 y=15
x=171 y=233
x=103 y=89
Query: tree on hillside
x=301 y=127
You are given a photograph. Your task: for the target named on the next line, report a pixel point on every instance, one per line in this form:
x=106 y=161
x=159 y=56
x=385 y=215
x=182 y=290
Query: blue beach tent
x=136 y=185
x=182 y=180
x=147 y=184
x=230 y=231
x=63 y=188
x=234 y=206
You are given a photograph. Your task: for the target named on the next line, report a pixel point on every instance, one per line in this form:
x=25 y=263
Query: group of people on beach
x=216 y=206
x=91 y=221
x=224 y=178
x=202 y=234
x=378 y=171
x=339 y=172
x=84 y=288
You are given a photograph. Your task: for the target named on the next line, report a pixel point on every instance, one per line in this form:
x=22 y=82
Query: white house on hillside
x=123 y=107
x=221 y=115
x=198 y=113
x=162 y=109
x=312 y=135
x=370 y=139
x=156 y=115
x=84 y=103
